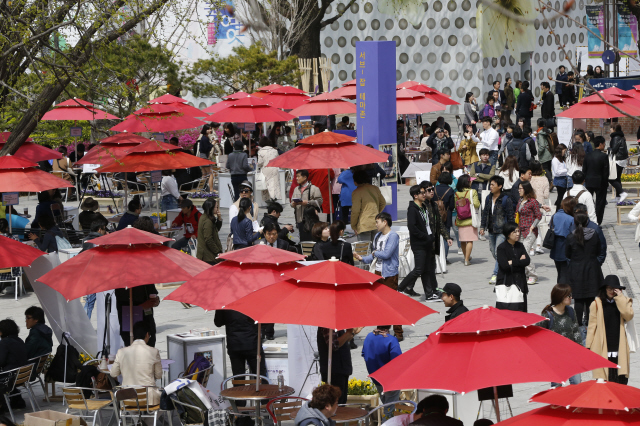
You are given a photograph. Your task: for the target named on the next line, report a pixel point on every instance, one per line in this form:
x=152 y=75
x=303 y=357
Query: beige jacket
x=139 y=365
x=367 y=201
x=597 y=339
x=311 y=194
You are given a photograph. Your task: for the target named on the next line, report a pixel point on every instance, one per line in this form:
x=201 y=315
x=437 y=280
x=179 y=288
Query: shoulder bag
x=386 y=192
x=260 y=181
x=474 y=214
x=456 y=159
x=549 y=237
x=632 y=336
x=613 y=171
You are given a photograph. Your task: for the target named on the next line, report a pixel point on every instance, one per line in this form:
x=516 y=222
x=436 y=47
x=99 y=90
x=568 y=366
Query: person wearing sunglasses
x=246 y=191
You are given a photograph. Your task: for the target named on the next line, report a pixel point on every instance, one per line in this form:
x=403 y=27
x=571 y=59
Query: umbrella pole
x=130 y=316
x=258 y=357
x=10 y=228
x=330 y=356
x=497 y=407
x=330 y=196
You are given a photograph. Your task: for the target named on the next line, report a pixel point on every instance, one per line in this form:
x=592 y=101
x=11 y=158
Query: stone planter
x=198 y=202
x=104 y=202
x=371 y=401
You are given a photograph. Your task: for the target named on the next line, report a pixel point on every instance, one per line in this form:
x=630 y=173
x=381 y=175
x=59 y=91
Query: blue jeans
x=574 y=380
x=390 y=396
x=493 y=157
x=168 y=202
x=455 y=231
x=494 y=241
x=90 y=302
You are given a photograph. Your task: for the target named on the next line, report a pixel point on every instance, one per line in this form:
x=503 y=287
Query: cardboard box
x=52 y=418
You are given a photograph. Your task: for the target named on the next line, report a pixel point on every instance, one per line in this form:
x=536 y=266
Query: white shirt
x=488 y=139
x=508 y=183
x=558 y=169
x=380 y=243
x=572 y=166
x=586 y=198
x=169 y=186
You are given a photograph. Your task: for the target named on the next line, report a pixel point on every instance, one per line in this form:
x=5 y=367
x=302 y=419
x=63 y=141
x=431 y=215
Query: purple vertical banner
x=376 y=100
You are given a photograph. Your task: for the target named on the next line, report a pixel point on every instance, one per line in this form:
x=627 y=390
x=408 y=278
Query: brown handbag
x=456 y=160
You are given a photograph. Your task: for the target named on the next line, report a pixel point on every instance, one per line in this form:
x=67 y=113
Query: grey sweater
x=238 y=163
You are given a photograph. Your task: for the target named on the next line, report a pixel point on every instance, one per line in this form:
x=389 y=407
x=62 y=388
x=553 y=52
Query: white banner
x=302 y=347
x=62 y=315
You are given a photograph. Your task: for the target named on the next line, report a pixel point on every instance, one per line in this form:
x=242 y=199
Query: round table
x=248 y=392
x=344 y=414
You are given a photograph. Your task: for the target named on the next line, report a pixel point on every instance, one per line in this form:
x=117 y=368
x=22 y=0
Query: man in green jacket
x=545 y=148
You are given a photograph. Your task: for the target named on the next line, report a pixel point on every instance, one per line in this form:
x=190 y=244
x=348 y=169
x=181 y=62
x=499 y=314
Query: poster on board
x=627 y=31
x=564 y=130
x=595 y=25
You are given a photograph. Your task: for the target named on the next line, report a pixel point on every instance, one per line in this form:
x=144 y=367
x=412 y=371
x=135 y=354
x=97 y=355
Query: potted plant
x=199 y=198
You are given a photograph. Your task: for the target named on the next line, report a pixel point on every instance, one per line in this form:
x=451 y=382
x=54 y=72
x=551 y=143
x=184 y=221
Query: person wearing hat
x=238 y=165
x=606 y=334
x=134 y=208
x=246 y=191
x=189 y=217
x=90 y=212
x=451 y=297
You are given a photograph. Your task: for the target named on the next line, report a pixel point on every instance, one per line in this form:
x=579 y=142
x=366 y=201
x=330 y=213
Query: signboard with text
x=75 y=132
x=10 y=198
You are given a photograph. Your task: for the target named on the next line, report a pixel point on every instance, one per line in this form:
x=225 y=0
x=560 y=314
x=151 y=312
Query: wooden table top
x=343 y=414
x=249 y=392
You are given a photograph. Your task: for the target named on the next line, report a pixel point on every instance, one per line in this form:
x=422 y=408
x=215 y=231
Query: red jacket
x=190 y=222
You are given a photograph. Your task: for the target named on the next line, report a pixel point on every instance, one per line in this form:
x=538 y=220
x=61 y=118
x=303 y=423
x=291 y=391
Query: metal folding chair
x=280 y=409
x=76 y=402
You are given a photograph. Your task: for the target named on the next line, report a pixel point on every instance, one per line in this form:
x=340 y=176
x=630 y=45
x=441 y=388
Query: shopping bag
x=260 y=181
x=475 y=221
x=632 y=336
x=613 y=171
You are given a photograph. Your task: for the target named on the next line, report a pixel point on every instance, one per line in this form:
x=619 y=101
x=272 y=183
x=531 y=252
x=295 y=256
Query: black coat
x=449 y=201
x=618 y=146
x=325 y=250
x=242 y=331
x=187 y=175
x=585 y=272
x=40 y=341
x=126 y=220
x=455 y=310
x=13 y=353
x=547 y=110
x=340 y=359
x=514 y=273
x=283 y=233
x=524 y=103
x=596 y=169
x=418 y=236
x=494 y=221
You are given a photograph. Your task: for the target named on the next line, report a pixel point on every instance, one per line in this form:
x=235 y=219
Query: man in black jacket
x=451 y=297
x=40 y=341
x=523 y=107
x=423 y=231
x=514 y=193
x=242 y=335
x=274 y=210
x=596 y=172
x=547 y=109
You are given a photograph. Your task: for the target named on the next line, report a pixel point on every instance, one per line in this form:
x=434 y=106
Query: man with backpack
x=519 y=149
x=596 y=172
x=545 y=147
x=189 y=217
x=581 y=194
x=444 y=156
x=498 y=210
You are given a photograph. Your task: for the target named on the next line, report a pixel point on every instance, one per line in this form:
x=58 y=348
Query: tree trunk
x=32 y=116
x=309 y=47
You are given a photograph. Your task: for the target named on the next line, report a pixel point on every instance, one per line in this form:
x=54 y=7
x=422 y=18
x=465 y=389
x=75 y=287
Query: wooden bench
x=623 y=211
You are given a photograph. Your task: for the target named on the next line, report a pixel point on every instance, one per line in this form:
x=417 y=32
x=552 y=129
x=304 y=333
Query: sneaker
x=623 y=196
x=493 y=279
x=532 y=252
x=433 y=298
x=532 y=281
x=539 y=250
x=411 y=293
x=460 y=251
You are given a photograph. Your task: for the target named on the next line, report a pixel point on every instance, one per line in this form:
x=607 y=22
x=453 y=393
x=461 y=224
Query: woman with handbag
x=562 y=320
x=561 y=223
x=607 y=335
x=271 y=180
x=528 y=216
x=467 y=202
x=511 y=282
x=561 y=180
x=585 y=273
x=467 y=148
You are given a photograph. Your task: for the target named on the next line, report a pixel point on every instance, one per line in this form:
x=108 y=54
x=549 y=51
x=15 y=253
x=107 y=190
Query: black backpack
x=191 y=415
x=72 y=361
x=518 y=148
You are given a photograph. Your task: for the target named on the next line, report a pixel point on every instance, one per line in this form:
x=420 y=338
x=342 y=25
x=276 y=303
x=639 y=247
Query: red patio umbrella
x=124 y=138
x=250 y=110
x=4 y=136
x=162 y=122
x=595 y=394
x=346 y=92
x=286 y=97
x=489 y=318
x=550 y=416
x=237 y=95
x=171 y=107
x=594 y=107
x=99 y=268
x=146 y=162
x=31 y=151
x=429 y=92
x=325 y=104
x=332 y=273
x=333 y=306
x=327 y=138
x=349 y=83
x=104 y=155
x=77 y=109
x=261 y=254
x=411 y=102
x=167 y=99
x=524 y=357
x=227 y=102
x=19 y=175
x=264 y=90
x=15 y=254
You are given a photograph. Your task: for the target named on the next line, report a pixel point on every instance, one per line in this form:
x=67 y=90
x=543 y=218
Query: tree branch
x=338 y=16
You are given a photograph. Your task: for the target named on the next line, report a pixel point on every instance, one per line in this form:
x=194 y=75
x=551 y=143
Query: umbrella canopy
x=129 y=236
x=343 y=155
x=77 y=109
x=597 y=394
x=268 y=88
x=124 y=138
x=250 y=110
x=594 y=107
x=104 y=155
x=347 y=92
x=168 y=99
x=236 y=95
x=524 y=357
x=286 y=97
x=261 y=254
x=14 y=254
x=332 y=273
x=219 y=106
x=489 y=318
x=349 y=83
x=33 y=152
x=19 y=175
x=327 y=138
x=548 y=416
x=429 y=92
x=4 y=136
x=330 y=306
x=171 y=107
x=411 y=102
x=625 y=95
x=162 y=122
x=146 y=162
x=325 y=104
x=94 y=270
x=227 y=282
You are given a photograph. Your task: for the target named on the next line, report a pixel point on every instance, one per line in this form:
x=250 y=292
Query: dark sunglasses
x=244 y=191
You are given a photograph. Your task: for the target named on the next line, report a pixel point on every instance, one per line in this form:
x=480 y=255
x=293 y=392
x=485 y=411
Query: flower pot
x=371 y=401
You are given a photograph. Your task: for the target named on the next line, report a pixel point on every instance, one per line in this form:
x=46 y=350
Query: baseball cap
x=452 y=289
x=247 y=184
